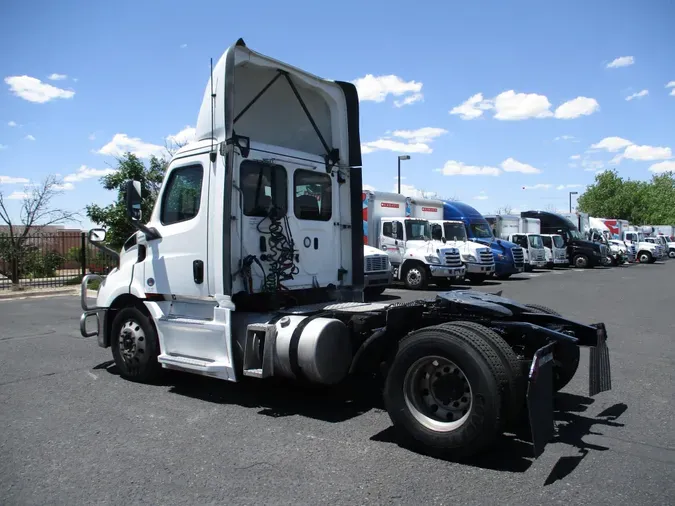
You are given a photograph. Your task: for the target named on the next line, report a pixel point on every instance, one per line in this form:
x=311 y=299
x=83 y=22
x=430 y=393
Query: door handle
x=316 y=243
x=198 y=271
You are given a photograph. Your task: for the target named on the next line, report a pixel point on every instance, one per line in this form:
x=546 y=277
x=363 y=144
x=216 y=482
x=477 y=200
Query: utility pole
x=572 y=193
x=401 y=157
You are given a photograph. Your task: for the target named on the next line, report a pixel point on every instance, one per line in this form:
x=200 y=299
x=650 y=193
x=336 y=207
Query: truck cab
x=647 y=253
x=580 y=252
x=416 y=258
x=524 y=233
x=661 y=250
x=377 y=273
x=556 y=253
x=509 y=257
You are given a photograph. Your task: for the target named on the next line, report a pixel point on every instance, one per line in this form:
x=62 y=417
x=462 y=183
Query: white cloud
x=57 y=77
x=367 y=187
x=540 y=186
x=473 y=107
x=518 y=106
x=577 y=107
x=122 y=143
x=183 y=46
x=481 y=197
x=639 y=94
x=616 y=160
x=29 y=137
x=85 y=172
x=455 y=168
x=12 y=180
x=647 y=153
x=661 y=167
x=671 y=84
x=377 y=88
x=12 y=124
x=566 y=138
x=92 y=137
x=416 y=141
x=622 y=61
x=411 y=191
x=425 y=134
x=183 y=137
x=511 y=165
x=592 y=165
x=612 y=144
x=575 y=157
x=18 y=196
x=3 y=146
x=410 y=99
x=565 y=186
x=64 y=186
x=34 y=90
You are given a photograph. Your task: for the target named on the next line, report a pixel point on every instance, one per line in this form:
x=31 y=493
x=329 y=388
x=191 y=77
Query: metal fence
x=51 y=259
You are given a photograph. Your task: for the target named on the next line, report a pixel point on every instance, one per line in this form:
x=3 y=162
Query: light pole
x=572 y=193
x=401 y=157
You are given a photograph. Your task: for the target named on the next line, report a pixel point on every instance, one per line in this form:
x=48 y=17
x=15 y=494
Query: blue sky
x=486 y=97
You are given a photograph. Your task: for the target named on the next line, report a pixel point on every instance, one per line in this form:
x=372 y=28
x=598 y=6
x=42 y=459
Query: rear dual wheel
x=453 y=388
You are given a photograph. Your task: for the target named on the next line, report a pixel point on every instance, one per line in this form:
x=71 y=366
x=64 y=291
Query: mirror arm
x=150 y=233
x=106 y=249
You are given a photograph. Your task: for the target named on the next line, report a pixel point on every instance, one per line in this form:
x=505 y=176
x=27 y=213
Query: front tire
x=135 y=346
x=503 y=276
x=671 y=253
x=580 y=261
x=416 y=277
x=476 y=279
x=646 y=257
x=374 y=291
x=444 y=391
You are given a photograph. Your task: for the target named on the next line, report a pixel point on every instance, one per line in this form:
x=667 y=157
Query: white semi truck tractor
x=251 y=265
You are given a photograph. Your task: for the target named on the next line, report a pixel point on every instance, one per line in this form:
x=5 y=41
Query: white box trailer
x=250 y=264
x=415 y=257
x=525 y=232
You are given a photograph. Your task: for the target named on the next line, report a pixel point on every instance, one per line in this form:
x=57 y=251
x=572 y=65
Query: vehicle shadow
x=514 y=453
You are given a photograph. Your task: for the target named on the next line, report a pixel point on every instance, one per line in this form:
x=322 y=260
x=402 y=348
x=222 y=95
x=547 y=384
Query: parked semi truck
x=416 y=258
x=521 y=231
x=477 y=258
x=509 y=257
x=647 y=253
x=263 y=210
x=581 y=253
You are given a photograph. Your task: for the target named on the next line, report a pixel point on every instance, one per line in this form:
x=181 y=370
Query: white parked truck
x=556 y=251
x=416 y=258
x=645 y=252
x=377 y=273
x=250 y=265
x=525 y=232
x=477 y=258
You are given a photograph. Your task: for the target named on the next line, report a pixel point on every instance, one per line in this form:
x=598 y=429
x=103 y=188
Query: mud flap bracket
x=540 y=398
x=599 y=374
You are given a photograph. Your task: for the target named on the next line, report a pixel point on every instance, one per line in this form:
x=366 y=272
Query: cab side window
x=387 y=229
x=313 y=197
x=264 y=187
x=182 y=196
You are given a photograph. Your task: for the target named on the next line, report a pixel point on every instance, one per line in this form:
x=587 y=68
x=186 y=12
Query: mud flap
x=599 y=374
x=540 y=398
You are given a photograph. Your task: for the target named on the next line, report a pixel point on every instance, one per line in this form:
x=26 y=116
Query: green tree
x=640 y=202
x=114 y=216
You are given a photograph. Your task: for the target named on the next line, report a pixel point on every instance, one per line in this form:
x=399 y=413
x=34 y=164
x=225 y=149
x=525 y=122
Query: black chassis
x=532 y=335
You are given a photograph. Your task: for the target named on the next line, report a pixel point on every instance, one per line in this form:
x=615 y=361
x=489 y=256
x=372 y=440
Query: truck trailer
x=263 y=209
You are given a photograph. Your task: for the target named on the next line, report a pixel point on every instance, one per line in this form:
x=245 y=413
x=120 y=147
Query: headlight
x=469 y=258
x=432 y=259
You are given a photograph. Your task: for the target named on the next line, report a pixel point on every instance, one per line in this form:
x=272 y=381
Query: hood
x=369 y=250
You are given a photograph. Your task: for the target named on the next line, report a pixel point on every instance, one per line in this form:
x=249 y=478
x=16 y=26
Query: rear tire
x=476 y=279
x=374 y=291
x=503 y=276
x=565 y=355
x=444 y=390
x=135 y=346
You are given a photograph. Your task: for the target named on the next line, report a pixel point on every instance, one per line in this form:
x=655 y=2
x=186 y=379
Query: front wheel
x=135 y=346
x=503 y=276
x=476 y=279
x=580 y=261
x=671 y=253
x=374 y=291
x=416 y=277
x=645 y=257
x=444 y=391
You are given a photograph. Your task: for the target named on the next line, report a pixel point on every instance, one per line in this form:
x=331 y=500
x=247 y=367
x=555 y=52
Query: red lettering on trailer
x=429 y=209
x=389 y=204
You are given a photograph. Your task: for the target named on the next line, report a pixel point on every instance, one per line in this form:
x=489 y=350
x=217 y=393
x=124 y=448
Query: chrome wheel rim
x=132 y=341
x=414 y=277
x=437 y=393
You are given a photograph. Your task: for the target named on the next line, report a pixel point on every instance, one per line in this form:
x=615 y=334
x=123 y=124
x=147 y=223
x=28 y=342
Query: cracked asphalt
x=73 y=432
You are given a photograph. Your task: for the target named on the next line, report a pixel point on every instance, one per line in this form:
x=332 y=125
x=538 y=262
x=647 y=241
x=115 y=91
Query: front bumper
x=561 y=261
x=538 y=263
x=476 y=268
x=377 y=279
x=442 y=271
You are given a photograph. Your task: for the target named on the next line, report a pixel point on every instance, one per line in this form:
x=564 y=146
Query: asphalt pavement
x=74 y=432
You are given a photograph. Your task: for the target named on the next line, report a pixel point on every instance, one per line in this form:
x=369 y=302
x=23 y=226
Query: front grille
x=518 y=255
x=560 y=254
x=452 y=258
x=603 y=250
x=485 y=256
x=377 y=263
x=538 y=255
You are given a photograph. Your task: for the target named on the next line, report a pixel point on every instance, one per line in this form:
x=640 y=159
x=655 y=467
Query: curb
x=43 y=293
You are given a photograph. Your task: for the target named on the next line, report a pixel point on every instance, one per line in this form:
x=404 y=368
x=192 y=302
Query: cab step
x=192 y=364
x=259 y=350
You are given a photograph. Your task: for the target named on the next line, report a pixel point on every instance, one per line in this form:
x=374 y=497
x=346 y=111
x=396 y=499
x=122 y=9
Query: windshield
x=546 y=240
x=454 y=231
x=520 y=240
x=558 y=241
x=574 y=234
x=481 y=230
x=417 y=230
x=641 y=236
x=535 y=241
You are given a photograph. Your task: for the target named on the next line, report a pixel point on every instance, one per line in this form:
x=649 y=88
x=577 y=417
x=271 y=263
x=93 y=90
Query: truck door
x=178 y=261
x=391 y=240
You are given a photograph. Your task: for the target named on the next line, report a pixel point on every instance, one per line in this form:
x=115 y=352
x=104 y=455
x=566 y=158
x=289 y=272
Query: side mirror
x=133 y=199
x=96 y=235
x=443 y=239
